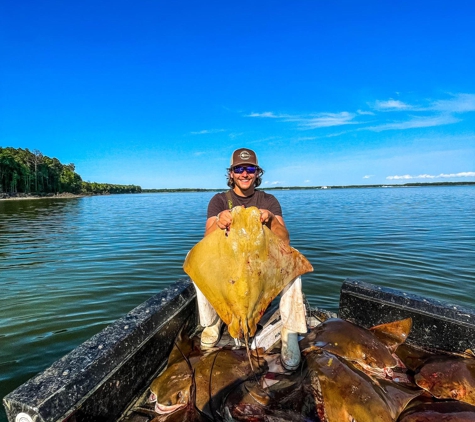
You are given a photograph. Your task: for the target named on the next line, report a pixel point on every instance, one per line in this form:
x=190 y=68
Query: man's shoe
x=290 y=351
x=210 y=335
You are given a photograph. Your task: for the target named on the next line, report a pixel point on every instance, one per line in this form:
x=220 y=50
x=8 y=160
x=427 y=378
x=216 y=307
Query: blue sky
x=159 y=93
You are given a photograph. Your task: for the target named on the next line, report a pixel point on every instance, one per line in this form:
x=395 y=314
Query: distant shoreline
x=65 y=195
x=405 y=185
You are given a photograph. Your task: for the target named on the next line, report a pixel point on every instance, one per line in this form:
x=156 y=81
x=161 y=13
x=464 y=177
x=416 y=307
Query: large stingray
x=241 y=271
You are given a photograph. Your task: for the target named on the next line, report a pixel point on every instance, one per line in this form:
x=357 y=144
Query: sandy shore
x=23 y=196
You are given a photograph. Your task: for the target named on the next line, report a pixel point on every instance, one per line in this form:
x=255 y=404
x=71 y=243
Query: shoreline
x=23 y=196
x=271 y=188
x=65 y=195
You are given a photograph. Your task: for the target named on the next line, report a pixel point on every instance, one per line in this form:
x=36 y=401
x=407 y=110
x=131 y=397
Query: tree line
x=31 y=172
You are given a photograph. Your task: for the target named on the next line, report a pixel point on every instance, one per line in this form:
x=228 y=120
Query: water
x=70 y=267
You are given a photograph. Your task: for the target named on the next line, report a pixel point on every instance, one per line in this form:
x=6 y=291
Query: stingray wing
x=242 y=271
x=393 y=334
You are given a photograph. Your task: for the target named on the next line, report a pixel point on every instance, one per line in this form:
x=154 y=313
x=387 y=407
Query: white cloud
x=276 y=183
x=428 y=176
x=327 y=120
x=368 y=176
x=334 y=134
x=206 y=132
x=460 y=103
x=416 y=122
x=305 y=138
x=313 y=121
x=266 y=114
x=391 y=105
x=362 y=112
x=432 y=113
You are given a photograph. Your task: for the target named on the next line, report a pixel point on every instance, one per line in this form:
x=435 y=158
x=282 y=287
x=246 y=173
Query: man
x=244 y=175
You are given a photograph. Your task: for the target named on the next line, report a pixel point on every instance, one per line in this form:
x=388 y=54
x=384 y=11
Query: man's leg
x=208 y=319
x=292 y=313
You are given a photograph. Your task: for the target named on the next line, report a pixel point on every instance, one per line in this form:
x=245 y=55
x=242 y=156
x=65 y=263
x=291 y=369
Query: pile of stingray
x=348 y=373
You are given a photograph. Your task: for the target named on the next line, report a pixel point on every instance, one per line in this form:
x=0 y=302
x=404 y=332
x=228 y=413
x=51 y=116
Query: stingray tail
x=246 y=342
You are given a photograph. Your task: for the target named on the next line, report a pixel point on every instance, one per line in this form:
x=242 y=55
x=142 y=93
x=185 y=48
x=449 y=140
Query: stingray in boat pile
x=242 y=270
x=426 y=410
x=371 y=349
x=448 y=377
x=344 y=393
x=221 y=384
x=195 y=383
x=346 y=375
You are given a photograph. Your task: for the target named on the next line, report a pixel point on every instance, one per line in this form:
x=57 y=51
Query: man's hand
x=276 y=224
x=266 y=216
x=222 y=221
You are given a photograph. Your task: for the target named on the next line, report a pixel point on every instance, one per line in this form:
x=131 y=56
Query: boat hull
x=102 y=376
x=435 y=324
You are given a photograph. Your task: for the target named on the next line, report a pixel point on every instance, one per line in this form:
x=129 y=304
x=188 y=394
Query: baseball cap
x=243 y=156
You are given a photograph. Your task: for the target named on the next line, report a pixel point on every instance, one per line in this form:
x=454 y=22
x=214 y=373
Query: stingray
x=274 y=397
x=344 y=393
x=448 y=377
x=172 y=390
x=422 y=410
x=194 y=383
x=200 y=389
x=221 y=371
x=371 y=349
x=242 y=270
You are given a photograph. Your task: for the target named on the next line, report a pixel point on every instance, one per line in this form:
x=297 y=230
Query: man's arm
x=211 y=225
x=276 y=224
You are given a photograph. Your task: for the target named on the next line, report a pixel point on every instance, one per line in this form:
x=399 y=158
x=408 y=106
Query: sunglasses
x=241 y=169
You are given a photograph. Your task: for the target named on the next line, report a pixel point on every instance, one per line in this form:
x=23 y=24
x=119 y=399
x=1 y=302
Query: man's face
x=245 y=180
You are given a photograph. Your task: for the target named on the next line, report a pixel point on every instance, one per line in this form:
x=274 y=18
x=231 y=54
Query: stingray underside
x=241 y=271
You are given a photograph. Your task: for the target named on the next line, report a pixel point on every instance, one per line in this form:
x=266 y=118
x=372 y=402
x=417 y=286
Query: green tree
x=32 y=172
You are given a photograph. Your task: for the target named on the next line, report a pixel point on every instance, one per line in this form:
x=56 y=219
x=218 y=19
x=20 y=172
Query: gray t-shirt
x=259 y=199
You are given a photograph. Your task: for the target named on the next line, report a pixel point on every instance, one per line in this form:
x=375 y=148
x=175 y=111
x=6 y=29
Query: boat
x=102 y=378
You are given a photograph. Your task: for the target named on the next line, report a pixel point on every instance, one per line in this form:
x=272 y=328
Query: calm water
x=70 y=267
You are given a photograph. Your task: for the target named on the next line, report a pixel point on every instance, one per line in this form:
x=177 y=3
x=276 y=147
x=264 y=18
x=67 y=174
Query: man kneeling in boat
x=244 y=175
